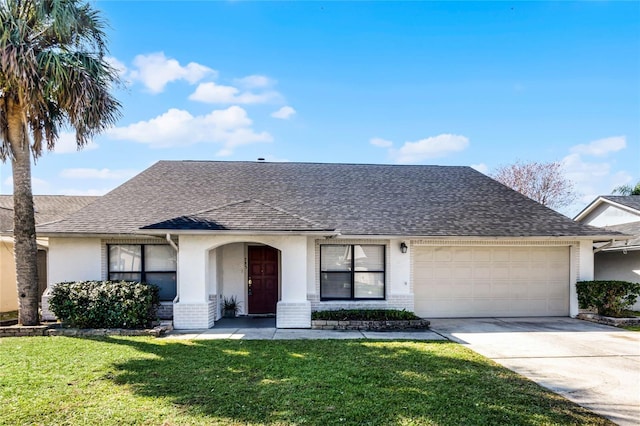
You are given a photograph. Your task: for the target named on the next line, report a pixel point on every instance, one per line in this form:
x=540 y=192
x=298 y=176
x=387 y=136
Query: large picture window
x=352 y=271
x=153 y=264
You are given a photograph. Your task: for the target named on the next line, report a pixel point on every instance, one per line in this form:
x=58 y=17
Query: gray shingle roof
x=247 y=215
x=47 y=208
x=632 y=228
x=632 y=201
x=355 y=199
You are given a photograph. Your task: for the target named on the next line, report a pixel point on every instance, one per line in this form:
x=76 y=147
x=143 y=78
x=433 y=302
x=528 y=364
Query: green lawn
x=140 y=380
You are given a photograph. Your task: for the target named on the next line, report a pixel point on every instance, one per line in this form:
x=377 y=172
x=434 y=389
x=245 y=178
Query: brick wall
x=401 y=301
x=165 y=310
x=293 y=315
x=193 y=315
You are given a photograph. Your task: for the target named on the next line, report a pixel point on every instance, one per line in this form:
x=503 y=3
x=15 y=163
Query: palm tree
x=627 y=189
x=53 y=73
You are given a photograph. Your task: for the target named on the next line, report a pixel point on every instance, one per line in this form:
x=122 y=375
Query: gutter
x=175 y=247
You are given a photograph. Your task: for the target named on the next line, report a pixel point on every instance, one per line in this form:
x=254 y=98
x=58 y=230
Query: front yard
x=147 y=381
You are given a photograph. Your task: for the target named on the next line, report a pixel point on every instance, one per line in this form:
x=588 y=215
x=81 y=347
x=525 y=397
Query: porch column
x=584 y=273
x=293 y=309
x=194 y=309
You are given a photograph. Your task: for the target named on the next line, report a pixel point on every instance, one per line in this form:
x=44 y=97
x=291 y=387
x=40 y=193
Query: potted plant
x=230 y=307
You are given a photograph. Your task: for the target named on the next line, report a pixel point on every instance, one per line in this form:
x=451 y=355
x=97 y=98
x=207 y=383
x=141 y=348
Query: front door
x=263 y=280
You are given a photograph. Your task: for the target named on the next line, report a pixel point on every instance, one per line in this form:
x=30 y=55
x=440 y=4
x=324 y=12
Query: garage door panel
x=462 y=270
x=482 y=255
x=441 y=271
x=442 y=255
x=500 y=255
x=482 y=288
x=462 y=254
x=500 y=270
x=491 y=281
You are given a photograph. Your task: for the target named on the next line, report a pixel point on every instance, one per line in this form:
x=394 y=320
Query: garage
x=510 y=281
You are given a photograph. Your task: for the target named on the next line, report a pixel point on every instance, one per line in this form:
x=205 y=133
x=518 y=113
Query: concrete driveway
x=594 y=365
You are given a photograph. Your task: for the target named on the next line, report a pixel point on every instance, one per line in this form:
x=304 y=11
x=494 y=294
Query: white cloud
x=66 y=144
x=482 y=168
x=155 y=71
x=213 y=93
x=229 y=127
x=92 y=191
x=82 y=173
x=594 y=178
x=601 y=147
x=283 y=113
x=382 y=143
x=38 y=186
x=254 y=81
x=117 y=65
x=431 y=147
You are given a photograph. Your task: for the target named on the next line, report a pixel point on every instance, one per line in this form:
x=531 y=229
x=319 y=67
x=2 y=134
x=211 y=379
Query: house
x=619 y=259
x=292 y=238
x=47 y=208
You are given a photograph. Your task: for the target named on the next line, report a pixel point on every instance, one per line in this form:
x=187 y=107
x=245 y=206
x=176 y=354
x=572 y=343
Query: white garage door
x=491 y=281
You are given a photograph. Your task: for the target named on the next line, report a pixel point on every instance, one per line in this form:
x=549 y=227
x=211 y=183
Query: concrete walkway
x=273 y=333
x=593 y=365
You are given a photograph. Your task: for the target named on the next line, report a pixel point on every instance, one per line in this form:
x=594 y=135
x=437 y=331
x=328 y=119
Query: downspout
x=175 y=247
x=609 y=244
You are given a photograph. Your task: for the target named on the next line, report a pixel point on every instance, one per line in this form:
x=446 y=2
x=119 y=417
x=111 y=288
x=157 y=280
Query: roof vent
x=261 y=159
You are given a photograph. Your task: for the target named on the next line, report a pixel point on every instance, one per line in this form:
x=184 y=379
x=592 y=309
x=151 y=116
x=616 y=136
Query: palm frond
x=52 y=62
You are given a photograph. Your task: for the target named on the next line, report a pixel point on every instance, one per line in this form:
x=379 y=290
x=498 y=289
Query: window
x=153 y=264
x=350 y=272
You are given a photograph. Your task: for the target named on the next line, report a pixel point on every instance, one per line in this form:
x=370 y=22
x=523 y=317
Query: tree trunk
x=24 y=228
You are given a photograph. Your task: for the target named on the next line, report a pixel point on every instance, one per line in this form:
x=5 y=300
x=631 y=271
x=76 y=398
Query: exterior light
x=403 y=247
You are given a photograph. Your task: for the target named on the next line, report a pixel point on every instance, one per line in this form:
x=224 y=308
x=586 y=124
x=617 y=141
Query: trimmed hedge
x=364 y=315
x=609 y=298
x=105 y=304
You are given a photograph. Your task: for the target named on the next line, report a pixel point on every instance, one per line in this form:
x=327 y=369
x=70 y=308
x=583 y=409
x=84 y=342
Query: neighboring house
x=291 y=238
x=619 y=260
x=47 y=208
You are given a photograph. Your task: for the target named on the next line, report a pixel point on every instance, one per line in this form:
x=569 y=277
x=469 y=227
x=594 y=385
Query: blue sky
x=480 y=84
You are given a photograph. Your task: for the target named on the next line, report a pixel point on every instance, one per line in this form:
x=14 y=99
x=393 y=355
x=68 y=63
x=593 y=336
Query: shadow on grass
x=348 y=382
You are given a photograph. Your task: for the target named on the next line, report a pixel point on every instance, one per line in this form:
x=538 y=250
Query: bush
x=609 y=298
x=105 y=304
x=364 y=315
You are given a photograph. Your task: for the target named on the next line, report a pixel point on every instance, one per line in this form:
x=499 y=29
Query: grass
x=8 y=315
x=146 y=381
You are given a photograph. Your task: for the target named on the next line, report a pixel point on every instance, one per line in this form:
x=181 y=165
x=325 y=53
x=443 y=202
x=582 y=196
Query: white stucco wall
x=234 y=274
x=72 y=259
x=608 y=215
x=399 y=268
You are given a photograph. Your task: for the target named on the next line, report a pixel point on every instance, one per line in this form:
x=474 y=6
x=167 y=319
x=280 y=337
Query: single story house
x=617 y=259
x=292 y=238
x=47 y=208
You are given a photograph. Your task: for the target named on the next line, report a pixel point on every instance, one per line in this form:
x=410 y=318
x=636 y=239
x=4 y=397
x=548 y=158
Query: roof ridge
x=280 y=209
x=297 y=216
x=232 y=203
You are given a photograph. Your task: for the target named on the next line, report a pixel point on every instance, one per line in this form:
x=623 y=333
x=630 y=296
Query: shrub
x=609 y=298
x=105 y=304
x=365 y=315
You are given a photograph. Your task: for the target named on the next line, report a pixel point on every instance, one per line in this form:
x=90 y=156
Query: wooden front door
x=263 y=280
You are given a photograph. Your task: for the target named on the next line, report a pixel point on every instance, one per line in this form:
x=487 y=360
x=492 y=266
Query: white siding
x=608 y=215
